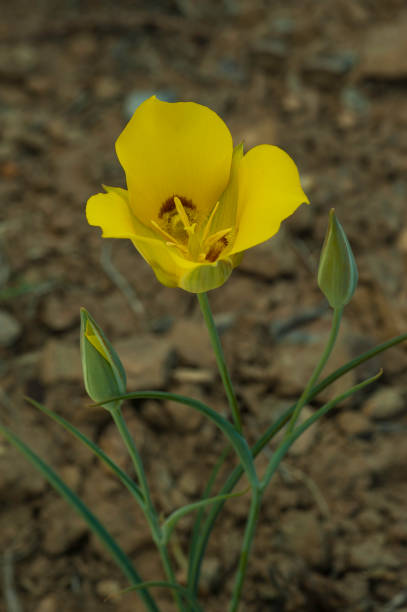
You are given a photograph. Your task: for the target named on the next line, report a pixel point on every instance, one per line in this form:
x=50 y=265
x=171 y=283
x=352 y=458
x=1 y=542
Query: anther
x=190 y=229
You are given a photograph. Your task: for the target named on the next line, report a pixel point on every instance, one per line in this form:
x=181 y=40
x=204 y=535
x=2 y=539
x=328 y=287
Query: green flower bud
x=337 y=272
x=103 y=373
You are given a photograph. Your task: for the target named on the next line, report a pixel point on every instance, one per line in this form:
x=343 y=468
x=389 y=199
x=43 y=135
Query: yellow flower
x=193 y=204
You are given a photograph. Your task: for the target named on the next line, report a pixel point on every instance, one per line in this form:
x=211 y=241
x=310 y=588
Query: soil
x=326 y=82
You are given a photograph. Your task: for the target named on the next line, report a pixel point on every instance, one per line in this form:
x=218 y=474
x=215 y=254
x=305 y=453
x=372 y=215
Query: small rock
x=398 y=532
x=386 y=403
x=10 y=329
x=156 y=415
x=324 y=592
x=354 y=423
x=305 y=537
x=354 y=588
x=147 y=361
x=60 y=312
x=107 y=588
x=211 y=576
x=194 y=376
x=300 y=358
x=184 y=417
x=306 y=441
x=63 y=529
x=106 y=88
x=271 y=259
x=71 y=475
x=138 y=96
x=370 y=520
x=336 y=64
x=369 y=553
x=188 y=483
x=48 y=604
x=191 y=342
x=111 y=443
x=384 y=53
x=60 y=361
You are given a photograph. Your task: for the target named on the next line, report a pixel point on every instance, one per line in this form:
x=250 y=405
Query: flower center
x=179 y=223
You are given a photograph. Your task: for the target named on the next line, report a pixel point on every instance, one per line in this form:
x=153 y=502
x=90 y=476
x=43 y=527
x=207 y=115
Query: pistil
x=197 y=245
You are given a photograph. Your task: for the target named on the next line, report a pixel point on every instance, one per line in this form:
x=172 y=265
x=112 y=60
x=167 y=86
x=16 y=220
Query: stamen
x=190 y=229
x=215 y=237
x=209 y=222
x=169 y=237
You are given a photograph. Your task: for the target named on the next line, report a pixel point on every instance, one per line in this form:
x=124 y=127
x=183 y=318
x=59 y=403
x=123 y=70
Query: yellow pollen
x=190 y=229
x=170 y=239
x=215 y=237
x=209 y=222
x=195 y=245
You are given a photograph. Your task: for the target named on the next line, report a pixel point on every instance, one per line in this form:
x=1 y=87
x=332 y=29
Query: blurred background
x=327 y=82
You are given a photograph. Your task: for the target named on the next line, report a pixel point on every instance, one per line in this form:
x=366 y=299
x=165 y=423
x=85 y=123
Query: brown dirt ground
x=327 y=82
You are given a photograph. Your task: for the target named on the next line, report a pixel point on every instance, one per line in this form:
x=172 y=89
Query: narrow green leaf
x=116 y=552
x=287 y=442
x=125 y=479
x=237 y=441
x=274 y=428
x=172 y=520
x=196 y=530
x=166 y=585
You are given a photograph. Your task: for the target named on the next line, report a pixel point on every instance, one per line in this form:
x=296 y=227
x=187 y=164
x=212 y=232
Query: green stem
x=336 y=321
x=193 y=561
x=246 y=546
x=271 y=431
x=287 y=442
x=220 y=359
x=115 y=551
x=137 y=463
x=150 y=511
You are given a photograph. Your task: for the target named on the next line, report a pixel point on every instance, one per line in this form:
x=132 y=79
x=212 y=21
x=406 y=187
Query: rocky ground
x=325 y=81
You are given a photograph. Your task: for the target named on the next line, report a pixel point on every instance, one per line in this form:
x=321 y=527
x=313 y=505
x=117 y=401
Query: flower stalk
x=220 y=359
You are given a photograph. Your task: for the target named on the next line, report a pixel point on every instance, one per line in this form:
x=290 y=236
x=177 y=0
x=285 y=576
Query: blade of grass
x=125 y=479
x=116 y=552
x=167 y=585
x=237 y=473
x=236 y=440
x=200 y=515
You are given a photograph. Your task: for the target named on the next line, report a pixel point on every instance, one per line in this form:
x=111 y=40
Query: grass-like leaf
x=125 y=479
x=116 y=552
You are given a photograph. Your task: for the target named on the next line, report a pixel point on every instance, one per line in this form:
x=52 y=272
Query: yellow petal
x=269 y=191
x=225 y=215
x=169 y=149
x=173 y=270
x=112 y=213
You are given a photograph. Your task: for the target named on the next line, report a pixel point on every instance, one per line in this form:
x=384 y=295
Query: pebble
x=304 y=536
x=190 y=340
x=211 y=575
x=60 y=312
x=386 y=403
x=354 y=423
x=10 y=329
x=306 y=441
x=371 y=553
x=60 y=361
x=63 y=529
x=138 y=96
x=107 y=588
x=48 y=604
x=194 y=376
x=147 y=361
x=384 y=52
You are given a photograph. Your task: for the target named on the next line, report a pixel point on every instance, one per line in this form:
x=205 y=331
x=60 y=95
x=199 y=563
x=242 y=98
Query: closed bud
x=103 y=373
x=337 y=272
